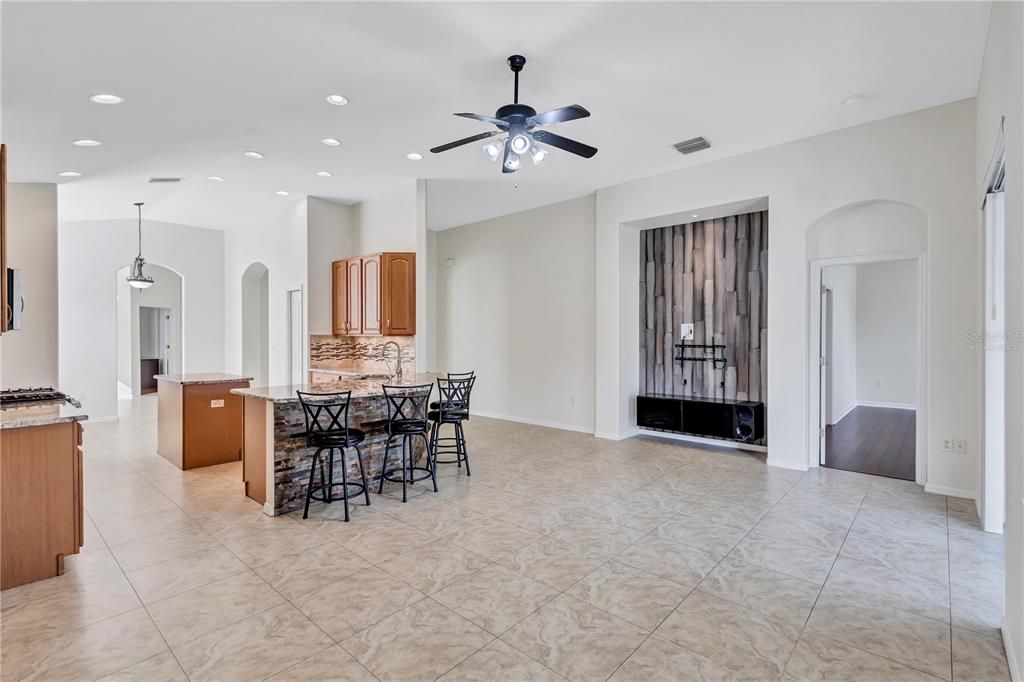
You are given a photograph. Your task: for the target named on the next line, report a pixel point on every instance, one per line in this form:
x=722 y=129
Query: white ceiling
x=205 y=81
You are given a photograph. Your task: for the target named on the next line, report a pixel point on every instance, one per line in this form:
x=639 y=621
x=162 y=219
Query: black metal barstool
x=407 y=419
x=327 y=429
x=452 y=408
x=454 y=375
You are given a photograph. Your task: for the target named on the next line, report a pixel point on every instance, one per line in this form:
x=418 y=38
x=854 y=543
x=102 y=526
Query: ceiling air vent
x=153 y=180
x=692 y=145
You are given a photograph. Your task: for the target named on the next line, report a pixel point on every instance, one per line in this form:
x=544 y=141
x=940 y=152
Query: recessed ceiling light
x=695 y=215
x=414 y=156
x=331 y=141
x=337 y=100
x=324 y=174
x=215 y=178
x=69 y=174
x=252 y=155
x=87 y=143
x=853 y=99
x=106 y=98
x=282 y=193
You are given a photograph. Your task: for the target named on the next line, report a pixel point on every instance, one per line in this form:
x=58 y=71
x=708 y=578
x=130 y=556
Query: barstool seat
x=337 y=439
x=448 y=416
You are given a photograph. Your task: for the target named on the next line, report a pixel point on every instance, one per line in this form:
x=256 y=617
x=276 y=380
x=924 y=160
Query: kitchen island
x=41 y=518
x=276 y=461
x=199 y=422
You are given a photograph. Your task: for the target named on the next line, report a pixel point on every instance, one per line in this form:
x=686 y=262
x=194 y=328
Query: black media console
x=736 y=420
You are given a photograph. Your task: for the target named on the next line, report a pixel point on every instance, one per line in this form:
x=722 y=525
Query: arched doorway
x=149 y=330
x=868 y=287
x=256 y=323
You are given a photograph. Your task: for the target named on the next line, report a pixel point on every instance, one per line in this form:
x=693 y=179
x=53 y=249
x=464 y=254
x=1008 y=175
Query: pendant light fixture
x=137 y=278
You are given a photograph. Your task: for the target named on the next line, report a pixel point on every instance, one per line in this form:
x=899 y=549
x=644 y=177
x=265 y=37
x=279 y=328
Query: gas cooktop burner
x=24 y=396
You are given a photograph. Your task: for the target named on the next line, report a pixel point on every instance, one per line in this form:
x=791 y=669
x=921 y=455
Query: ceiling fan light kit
x=520 y=126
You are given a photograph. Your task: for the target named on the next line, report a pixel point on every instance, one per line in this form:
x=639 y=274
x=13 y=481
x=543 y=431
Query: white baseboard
x=607 y=435
x=533 y=422
x=1011 y=656
x=950 y=492
x=732 y=445
x=849 y=408
x=894 y=406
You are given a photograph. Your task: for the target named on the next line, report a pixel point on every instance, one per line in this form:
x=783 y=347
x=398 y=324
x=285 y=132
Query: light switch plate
x=686 y=332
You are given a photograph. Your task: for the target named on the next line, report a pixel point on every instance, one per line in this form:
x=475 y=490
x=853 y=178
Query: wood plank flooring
x=873 y=440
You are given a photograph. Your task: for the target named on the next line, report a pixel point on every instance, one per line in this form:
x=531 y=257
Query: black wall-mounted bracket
x=701 y=352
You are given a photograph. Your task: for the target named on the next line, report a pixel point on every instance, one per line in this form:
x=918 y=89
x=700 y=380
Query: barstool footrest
x=388 y=475
x=348 y=495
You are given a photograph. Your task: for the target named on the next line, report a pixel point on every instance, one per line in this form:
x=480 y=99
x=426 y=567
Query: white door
x=296 y=374
x=993 y=488
x=165 y=338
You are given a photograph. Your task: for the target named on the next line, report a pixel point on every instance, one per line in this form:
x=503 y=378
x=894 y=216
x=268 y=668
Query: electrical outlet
x=947 y=445
x=960 y=446
x=879 y=383
x=572 y=401
x=686 y=332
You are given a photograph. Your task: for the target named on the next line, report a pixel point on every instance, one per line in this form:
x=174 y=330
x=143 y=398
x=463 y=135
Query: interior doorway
x=256 y=323
x=869 y=349
x=992 y=494
x=149 y=330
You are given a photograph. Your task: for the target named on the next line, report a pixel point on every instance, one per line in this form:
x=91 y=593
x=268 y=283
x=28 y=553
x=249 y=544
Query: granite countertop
x=360 y=387
x=40 y=414
x=202 y=378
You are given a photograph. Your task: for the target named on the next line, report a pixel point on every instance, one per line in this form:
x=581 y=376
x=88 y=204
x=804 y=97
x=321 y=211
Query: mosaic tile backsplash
x=361 y=353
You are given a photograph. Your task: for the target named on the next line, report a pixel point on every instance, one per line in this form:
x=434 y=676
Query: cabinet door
x=339 y=316
x=371 y=294
x=399 y=293
x=355 y=296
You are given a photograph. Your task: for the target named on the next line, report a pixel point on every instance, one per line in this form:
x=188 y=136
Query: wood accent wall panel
x=712 y=274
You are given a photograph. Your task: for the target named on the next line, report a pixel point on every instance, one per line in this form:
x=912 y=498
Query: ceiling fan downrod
x=516 y=62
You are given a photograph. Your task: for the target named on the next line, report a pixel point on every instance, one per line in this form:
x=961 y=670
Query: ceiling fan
x=521 y=126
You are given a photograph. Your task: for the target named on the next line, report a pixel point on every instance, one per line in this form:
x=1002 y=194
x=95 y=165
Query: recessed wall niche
x=712 y=274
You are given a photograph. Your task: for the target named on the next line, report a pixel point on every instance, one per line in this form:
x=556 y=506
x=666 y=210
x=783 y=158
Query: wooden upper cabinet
x=355 y=296
x=375 y=295
x=399 y=293
x=339 y=315
x=371 y=295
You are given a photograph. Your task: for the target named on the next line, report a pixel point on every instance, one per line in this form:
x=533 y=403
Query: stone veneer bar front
x=275 y=458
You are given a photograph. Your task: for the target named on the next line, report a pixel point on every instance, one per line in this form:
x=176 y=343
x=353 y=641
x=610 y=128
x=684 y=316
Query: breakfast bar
x=276 y=459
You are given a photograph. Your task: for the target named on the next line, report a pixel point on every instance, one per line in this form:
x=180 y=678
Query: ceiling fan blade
x=465 y=140
x=559 y=115
x=486 y=119
x=504 y=158
x=564 y=143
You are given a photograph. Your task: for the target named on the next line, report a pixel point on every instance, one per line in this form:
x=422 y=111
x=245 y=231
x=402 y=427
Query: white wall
x=387 y=221
x=886 y=333
x=330 y=228
x=280 y=243
x=517 y=306
x=90 y=254
x=842 y=281
x=29 y=354
x=924 y=159
x=124 y=328
x=1001 y=94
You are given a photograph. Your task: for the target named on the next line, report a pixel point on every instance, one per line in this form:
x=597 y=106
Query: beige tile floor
x=563 y=557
